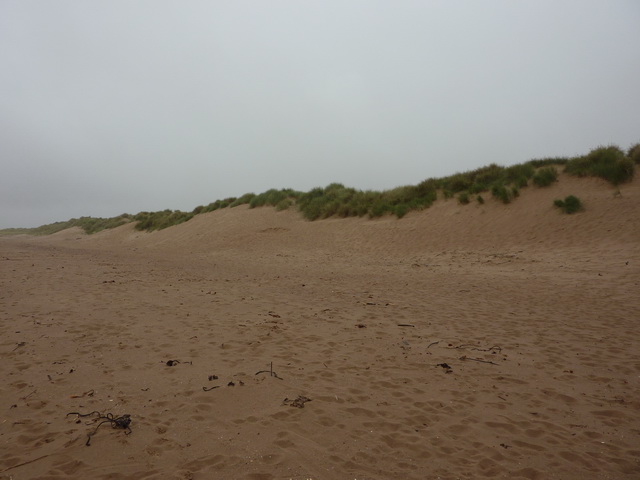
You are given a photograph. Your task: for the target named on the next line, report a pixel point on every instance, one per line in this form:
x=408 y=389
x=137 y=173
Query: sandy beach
x=460 y=342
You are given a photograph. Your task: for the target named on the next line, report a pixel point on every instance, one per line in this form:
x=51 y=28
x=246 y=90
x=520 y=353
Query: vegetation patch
x=634 y=153
x=569 y=205
x=545 y=176
x=338 y=200
x=243 y=200
x=500 y=192
x=609 y=163
x=281 y=199
x=151 y=221
x=545 y=162
x=88 y=224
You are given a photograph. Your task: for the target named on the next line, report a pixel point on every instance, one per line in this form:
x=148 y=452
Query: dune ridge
x=477 y=341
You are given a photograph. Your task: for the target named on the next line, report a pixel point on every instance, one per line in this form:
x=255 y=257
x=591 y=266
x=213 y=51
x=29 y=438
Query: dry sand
x=535 y=313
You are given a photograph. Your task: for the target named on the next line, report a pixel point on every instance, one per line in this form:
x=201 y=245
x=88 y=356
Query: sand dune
x=478 y=341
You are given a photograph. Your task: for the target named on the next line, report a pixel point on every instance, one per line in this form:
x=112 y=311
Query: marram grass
x=336 y=200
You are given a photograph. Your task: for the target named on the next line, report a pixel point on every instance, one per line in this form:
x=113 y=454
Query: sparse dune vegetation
x=571 y=204
x=634 y=153
x=150 y=221
x=545 y=176
x=610 y=163
x=88 y=224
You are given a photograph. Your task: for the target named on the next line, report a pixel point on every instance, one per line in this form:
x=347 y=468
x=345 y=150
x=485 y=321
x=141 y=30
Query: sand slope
x=460 y=342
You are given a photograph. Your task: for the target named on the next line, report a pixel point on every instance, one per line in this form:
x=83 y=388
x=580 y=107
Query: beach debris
x=361 y=325
x=27 y=396
x=494 y=349
x=270 y=372
x=230 y=384
x=433 y=343
x=88 y=393
x=123 y=422
x=173 y=363
x=464 y=357
x=405 y=325
x=18 y=345
x=446 y=366
x=273 y=314
x=298 y=402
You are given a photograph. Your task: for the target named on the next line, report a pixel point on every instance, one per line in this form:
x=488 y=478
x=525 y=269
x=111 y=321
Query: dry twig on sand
x=270 y=372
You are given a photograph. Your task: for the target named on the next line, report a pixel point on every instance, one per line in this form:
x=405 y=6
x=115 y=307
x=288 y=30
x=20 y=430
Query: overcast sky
x=114 y=106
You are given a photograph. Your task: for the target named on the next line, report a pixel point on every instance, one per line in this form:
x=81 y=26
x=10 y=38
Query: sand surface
x=460 y=342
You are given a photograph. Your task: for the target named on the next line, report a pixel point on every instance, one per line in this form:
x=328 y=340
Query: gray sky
x=116 y=106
